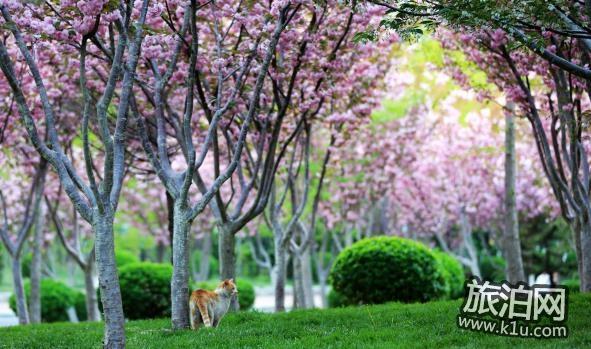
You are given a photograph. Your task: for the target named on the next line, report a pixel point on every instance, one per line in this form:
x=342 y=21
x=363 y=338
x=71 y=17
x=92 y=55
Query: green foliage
x=336 y=300
x=246 y=294
x=395 y=325
x=80 y=305
x=573 y=285
x=130 y=238
x=453 y=274
x=492 y=267
x=26 y=262
x=383 y=269
x=145 y=290
x=124 y=257
x=56 y=298
x=546 y=246
x=214 y=265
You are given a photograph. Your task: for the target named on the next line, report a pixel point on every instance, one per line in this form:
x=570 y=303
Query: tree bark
x=307 y=281
x=35 y=297
x=280 y=271
x=19 y=292
x=109 y=281
x=298 y=283
x=511 y=241
x=227 y=258
x=91 y=299
x=179 y=285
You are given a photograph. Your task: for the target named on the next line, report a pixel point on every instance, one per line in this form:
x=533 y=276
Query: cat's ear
x=231 y=280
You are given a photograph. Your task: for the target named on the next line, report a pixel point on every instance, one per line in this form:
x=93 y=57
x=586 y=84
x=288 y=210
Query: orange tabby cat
x=209 y=307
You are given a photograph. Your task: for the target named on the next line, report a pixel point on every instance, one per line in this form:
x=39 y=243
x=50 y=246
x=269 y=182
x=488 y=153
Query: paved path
x=265 y=298
x=7 y=317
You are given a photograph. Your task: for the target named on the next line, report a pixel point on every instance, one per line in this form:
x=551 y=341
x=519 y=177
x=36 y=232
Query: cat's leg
x=204 y=314
x=194 y=316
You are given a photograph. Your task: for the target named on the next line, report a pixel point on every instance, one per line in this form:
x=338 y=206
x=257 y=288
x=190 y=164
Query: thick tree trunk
x=109 y=282
x=35 y=297
x=511 y=241
x=91 y=299
x=179 y=285
x=227 y=258
x=280 y=271
x=19 y=292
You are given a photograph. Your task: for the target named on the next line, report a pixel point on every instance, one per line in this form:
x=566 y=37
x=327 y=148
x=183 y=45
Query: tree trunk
x=298 y=283
x=585 y=276
x=511 y=241
x=280 y=271
x=205 y=256
x=179 y=285
x=91 y=299
x=19 y=292
x=35 y=297
x=109 y=281
x=466 y=231
x=307 y=281
x=227 y=258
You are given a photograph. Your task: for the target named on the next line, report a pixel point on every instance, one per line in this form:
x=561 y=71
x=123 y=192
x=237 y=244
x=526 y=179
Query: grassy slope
x=385 y=326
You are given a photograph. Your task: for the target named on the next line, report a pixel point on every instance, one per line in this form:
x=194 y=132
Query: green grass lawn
x=431 y=325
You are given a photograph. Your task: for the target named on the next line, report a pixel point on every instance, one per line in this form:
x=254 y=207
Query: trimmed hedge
x=453 y=274
x=383 y=269
x=246 y=294
x=145 y=290
x=56 y=298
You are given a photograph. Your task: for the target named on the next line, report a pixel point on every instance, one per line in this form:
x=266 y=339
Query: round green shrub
x=145 y=290
x=453 y=274
x=336 y=300
x=124 y=257
x=56 y=298
x=246 y=294
x=383 y=269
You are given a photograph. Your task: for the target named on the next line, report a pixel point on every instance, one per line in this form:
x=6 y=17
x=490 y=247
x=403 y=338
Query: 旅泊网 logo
x=520 y=310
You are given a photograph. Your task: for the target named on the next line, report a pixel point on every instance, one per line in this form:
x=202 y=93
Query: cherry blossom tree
x=439 y=167
x=19 y=216
x=555 y=107
x=557 y=35
x=48 y=30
